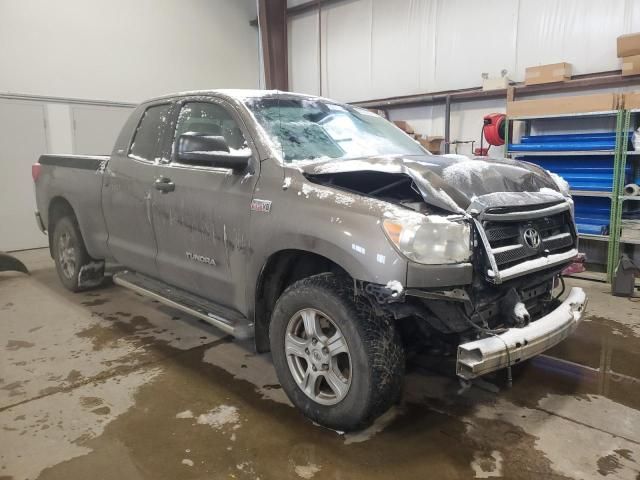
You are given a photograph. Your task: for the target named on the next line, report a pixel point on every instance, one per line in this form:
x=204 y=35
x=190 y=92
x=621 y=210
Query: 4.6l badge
x=263 y=206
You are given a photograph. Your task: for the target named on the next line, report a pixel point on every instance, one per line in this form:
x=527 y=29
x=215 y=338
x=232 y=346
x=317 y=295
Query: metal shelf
x=595 y=276
x=603 y=113
x=575 y=153
x=590 y=275
x=589 y=193
x=589 y=236
x=630 y=241
x=621 y=157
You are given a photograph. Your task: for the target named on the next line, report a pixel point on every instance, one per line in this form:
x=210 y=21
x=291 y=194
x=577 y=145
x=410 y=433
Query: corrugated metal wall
x=380 y=48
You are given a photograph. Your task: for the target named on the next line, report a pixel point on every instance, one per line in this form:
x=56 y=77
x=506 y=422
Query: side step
x=220 y=317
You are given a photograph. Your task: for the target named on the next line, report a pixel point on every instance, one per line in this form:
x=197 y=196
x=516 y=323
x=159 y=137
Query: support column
x=272 y=20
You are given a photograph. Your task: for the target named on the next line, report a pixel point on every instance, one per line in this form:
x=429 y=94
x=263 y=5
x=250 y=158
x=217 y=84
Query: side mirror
x=210 y=150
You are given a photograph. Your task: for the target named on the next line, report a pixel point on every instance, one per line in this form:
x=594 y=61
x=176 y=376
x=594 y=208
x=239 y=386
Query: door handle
x=164 y=184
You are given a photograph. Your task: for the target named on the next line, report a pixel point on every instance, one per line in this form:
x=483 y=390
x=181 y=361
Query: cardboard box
x=495 y=83
x=432 y=143
x=631 y=65
x=631 y=100
x=402 y=125
x=562 y=105
x=554 y=72
x=629 y=45
x=381 y=113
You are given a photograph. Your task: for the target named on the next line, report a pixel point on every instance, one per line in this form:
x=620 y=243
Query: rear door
x=127 y=192
x=202 y=225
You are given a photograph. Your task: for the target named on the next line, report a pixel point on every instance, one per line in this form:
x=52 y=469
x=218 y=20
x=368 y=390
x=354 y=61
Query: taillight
x=35 y=171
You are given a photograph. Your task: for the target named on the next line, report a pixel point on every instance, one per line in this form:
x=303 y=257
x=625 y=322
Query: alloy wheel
x=318 y=356
x=67 y=255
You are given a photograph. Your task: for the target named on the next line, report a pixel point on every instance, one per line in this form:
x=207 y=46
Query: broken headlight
x=430 y=239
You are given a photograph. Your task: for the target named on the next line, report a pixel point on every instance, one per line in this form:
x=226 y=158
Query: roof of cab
x=238 y=94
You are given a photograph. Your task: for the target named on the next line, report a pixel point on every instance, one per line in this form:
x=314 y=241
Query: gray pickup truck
x=326 y=234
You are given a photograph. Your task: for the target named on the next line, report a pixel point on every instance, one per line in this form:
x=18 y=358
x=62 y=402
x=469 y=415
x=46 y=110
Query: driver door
x=202 y=222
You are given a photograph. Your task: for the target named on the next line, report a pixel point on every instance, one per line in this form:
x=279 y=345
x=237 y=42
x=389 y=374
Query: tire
x=76 y=269
x=369 y=375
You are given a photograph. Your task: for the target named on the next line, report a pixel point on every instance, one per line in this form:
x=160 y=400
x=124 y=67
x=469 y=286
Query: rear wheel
x=76 y=269
x=338 y=362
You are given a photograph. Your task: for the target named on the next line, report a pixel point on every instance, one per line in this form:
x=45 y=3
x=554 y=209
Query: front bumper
x=489 y=354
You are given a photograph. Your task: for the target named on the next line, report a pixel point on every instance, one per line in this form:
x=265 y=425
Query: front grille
x=532 y=236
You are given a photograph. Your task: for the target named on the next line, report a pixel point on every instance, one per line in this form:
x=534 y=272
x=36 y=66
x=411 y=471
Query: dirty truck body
x=324 y=232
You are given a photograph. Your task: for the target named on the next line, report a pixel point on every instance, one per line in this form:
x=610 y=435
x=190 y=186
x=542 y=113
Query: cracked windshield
x=315 y=130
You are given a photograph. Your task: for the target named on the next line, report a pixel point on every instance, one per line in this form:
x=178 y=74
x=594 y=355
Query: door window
x=148 y=135
x=210 y=119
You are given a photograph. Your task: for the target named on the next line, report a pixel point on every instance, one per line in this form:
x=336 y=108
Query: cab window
x=210 y=119
x=148 y=135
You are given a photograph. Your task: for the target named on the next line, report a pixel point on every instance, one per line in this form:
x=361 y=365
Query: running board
x=220 y=317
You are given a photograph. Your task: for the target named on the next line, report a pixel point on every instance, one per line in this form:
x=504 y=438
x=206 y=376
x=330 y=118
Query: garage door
x=23 y=139
x=95 y=128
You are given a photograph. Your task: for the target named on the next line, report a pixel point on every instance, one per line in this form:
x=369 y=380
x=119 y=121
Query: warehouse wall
x=126 y=50
x=121 y=51
x=378 y=48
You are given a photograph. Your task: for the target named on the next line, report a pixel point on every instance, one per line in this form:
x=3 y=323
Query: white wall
x=116 y=51
x=381 y=48
x=126 y=50
x=384 y=48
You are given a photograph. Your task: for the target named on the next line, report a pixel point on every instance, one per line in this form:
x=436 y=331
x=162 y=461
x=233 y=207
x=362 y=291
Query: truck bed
x=78 y=180
x=83 y=162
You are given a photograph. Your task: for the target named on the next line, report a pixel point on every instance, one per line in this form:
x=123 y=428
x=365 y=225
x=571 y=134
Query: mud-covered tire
x=374 y=345
x=82 y=272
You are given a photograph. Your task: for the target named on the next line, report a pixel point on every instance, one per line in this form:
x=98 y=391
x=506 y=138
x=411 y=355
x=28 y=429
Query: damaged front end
x=502 y=350
x=508 y=309
x=490 y=325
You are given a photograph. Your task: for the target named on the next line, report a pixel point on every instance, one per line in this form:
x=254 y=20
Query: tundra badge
x=200 y=258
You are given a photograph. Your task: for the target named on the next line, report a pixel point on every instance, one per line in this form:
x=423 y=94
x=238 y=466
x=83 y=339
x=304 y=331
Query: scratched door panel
x=127 y=192
x=201 y=227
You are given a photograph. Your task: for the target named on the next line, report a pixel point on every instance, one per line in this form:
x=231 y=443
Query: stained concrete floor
x=110 y=385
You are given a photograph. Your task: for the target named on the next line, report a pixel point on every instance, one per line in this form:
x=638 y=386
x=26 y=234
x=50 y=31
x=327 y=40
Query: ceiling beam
x=303 y=8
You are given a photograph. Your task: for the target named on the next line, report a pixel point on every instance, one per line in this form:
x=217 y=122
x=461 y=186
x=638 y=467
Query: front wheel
x=338 y=362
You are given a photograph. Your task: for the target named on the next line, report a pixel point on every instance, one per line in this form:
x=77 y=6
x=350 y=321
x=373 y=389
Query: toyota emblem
x=531 y=238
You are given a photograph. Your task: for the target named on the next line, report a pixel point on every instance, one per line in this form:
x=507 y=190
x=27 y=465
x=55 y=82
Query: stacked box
x=629 y=52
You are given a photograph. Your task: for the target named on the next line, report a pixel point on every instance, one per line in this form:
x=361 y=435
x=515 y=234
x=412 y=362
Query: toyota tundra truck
x=323 y=232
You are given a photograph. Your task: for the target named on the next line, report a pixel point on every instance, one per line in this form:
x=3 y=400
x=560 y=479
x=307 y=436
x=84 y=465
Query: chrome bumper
x=483 y=356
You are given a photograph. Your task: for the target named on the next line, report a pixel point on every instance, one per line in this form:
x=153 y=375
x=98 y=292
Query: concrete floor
x=110 y=385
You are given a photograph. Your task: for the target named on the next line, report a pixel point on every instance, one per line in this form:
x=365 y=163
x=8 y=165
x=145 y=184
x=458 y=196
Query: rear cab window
x=148 y=136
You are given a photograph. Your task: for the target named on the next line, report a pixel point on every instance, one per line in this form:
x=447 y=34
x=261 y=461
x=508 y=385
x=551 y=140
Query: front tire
x=337 y=361
x=73 y=263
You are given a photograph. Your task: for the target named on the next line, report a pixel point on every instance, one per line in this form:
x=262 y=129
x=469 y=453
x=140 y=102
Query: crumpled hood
x=454 y=182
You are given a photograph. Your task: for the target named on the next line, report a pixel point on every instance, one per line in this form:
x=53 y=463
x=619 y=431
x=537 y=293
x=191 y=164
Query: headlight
x=430 y=239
